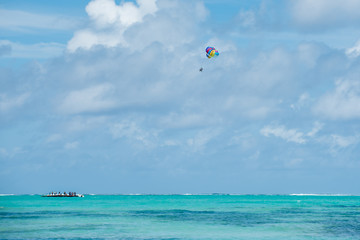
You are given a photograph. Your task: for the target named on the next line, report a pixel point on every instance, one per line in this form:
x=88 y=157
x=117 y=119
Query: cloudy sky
x=105 y=96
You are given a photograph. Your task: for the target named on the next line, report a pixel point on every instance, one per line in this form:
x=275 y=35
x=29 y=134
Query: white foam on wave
x=319 y=194
x=5 y=194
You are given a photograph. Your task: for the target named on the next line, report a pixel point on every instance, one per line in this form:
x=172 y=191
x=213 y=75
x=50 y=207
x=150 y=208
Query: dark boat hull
x=79 y=195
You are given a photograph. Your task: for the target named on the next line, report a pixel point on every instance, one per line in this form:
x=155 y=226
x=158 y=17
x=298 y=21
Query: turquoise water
x=180 y=217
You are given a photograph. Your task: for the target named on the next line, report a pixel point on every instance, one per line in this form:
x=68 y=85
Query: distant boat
x=70 y=194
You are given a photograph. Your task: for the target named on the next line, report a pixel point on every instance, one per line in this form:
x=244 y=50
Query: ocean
x=176 y=217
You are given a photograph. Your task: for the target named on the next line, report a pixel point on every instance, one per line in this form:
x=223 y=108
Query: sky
x=106 y=97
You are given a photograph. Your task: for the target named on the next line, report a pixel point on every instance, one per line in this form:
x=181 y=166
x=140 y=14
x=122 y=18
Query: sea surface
x=175 y=217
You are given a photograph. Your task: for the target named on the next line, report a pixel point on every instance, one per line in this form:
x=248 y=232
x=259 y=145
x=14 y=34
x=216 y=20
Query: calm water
x=180 y=217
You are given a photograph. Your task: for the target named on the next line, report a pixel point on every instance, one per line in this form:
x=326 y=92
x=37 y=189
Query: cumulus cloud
x=136 y=26
x=87 y=38
x=173 y=26
x=342 y=103
x=134 y=82
x=110 y=21
x=107 y=12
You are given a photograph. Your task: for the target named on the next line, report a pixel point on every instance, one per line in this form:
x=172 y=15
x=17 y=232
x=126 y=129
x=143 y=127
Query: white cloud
x=111 y=21
x=325 y=13
x=354 y=51
x=343 y=142
x=303 y=98
x=107 y=12
x=154 y=98
x=337 y=142
x=136 y=26
x=91 y=99
x=87 y=38
x=7 y=103
x=317 y=127
x=291 y=135
x=131 y=131
x=202 y=138
x=342 y=103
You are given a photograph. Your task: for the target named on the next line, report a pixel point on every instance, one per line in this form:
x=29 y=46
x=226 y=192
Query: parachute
x=211 y=52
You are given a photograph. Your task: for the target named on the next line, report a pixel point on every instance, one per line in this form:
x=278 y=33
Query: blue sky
x=106 y=96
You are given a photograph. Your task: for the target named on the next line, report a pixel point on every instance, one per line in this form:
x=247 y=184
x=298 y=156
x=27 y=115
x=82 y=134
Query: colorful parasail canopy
x=211 y=52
